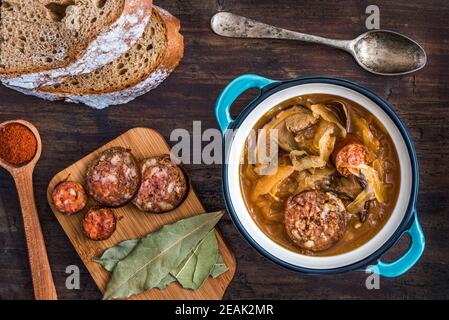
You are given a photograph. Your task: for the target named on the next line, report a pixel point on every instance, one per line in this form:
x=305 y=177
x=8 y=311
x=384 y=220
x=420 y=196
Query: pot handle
x=232 y=92
x=408 y=260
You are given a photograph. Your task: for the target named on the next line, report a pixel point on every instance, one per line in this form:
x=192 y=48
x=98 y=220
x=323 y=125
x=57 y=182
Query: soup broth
x=311 y=131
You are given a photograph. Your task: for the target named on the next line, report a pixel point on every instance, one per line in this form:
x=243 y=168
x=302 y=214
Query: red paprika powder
x=18 y=144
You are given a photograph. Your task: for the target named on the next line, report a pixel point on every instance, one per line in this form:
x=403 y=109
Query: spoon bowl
x=43 y=285
x=387 y=52
x=15 y=169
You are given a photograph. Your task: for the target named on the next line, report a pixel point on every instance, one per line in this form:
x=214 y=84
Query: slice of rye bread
x=149 y=62
x=42 y=41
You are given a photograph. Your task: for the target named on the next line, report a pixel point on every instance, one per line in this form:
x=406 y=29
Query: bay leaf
x=156 y=255
x=197 y=266
x=219 y=267
x=166 y=281
x=114 y=254
x=118 y=252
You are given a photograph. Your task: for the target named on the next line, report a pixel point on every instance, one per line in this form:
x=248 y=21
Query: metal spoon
x=379 y=51
x=44 y=287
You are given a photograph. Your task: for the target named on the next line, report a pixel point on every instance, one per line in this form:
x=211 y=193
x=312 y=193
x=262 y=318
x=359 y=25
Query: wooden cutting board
x=144 y=143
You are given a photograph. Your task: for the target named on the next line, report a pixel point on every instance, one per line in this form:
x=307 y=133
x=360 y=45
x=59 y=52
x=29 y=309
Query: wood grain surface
x=421 y=100
x=133 y=223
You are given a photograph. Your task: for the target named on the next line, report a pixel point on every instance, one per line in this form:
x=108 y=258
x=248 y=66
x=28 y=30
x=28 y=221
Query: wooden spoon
x=44 y=287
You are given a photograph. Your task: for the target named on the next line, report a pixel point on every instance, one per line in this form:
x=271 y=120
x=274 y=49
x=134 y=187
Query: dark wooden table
x=422 y=100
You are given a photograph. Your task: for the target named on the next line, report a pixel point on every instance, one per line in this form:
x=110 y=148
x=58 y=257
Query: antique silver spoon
x=379 y=51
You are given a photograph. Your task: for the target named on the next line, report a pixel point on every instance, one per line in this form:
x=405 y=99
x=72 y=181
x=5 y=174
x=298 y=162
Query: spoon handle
x=227 y=24
x=44 y=287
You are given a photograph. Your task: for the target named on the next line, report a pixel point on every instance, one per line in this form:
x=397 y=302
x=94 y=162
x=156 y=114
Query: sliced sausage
x=99 y=223
x=163 y=187
x=69 y=197
x=349 y=153
x=113 y=178
x=315 y=220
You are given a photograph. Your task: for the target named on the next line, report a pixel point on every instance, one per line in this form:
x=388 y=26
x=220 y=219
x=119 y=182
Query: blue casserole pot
x=404 y=219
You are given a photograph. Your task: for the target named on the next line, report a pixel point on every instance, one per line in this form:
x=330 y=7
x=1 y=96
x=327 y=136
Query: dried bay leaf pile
x=185 y=251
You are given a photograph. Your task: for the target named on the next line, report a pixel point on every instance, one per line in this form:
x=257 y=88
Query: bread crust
x=170 y=60
x=111 y=43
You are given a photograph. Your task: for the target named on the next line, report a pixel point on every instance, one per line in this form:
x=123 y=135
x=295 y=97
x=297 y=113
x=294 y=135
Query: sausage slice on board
x=113 y=178
x=163 y=187
x=99 y=223
x=69 y=197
